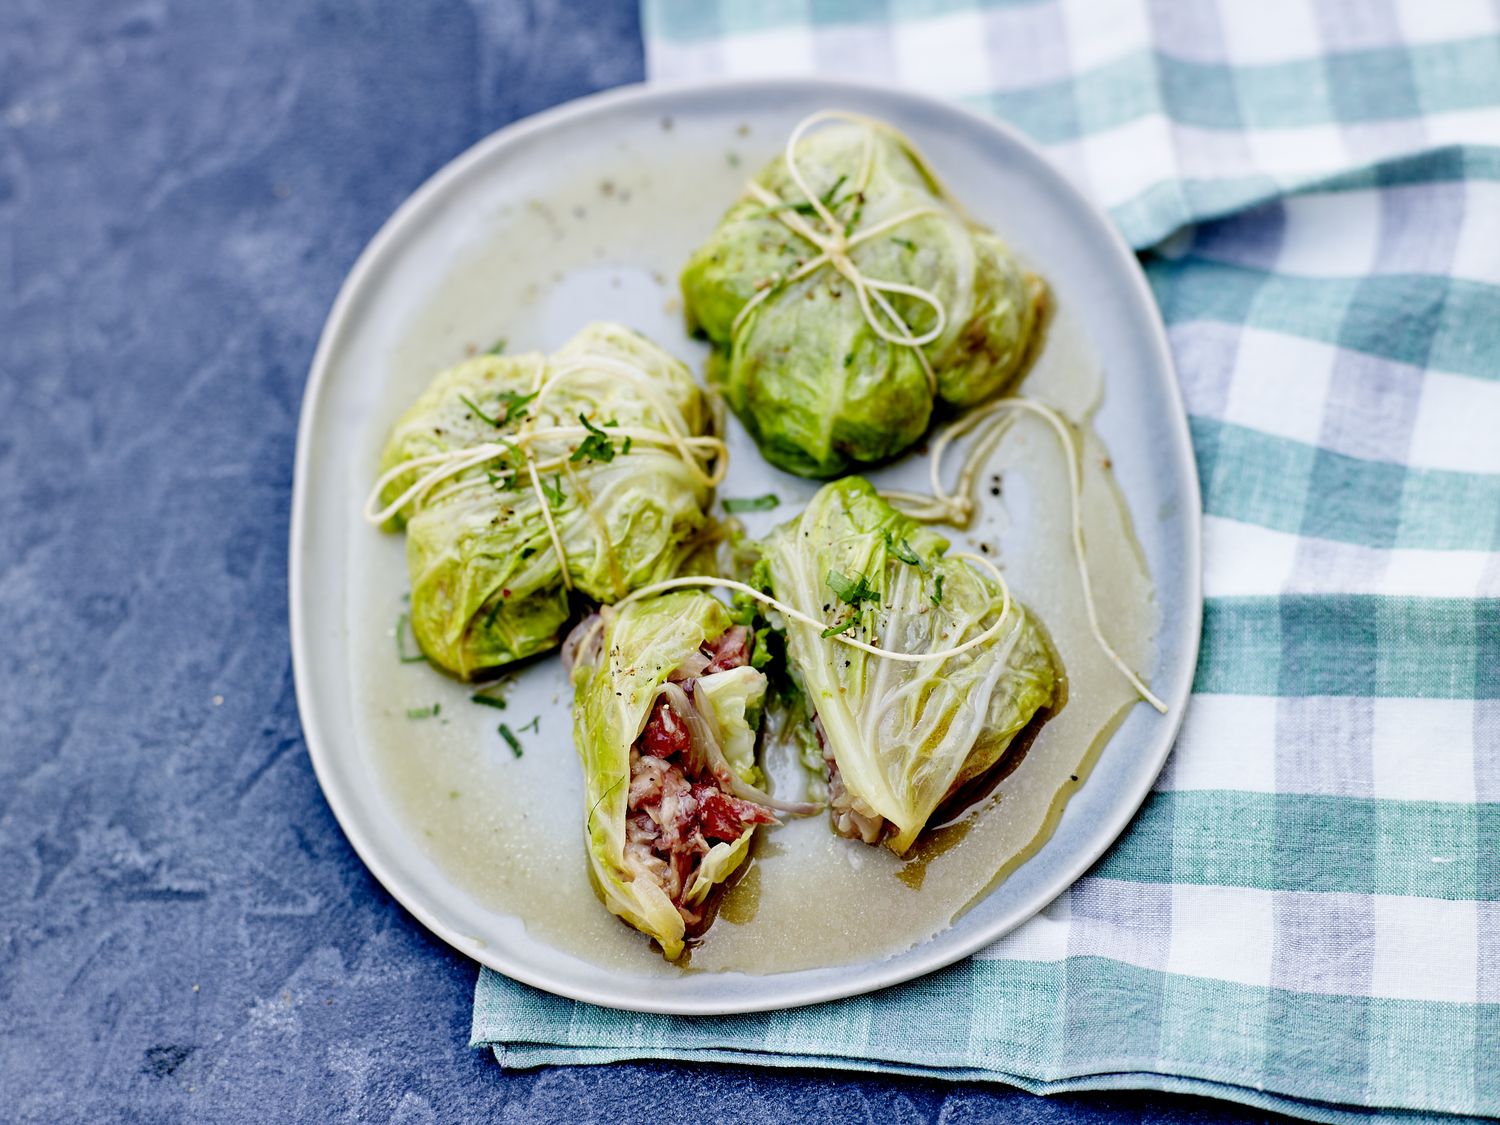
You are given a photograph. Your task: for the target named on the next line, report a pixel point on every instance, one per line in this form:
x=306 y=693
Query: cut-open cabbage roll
x=665 y=713
x=900 y=737
x=807 y=290
x=585 y=470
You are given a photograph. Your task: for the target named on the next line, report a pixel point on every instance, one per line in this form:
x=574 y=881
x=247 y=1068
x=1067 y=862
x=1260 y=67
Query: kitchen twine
x=955 y=507
x=833 y=251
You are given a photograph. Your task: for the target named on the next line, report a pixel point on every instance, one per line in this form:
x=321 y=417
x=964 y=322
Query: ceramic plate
x=587 y=212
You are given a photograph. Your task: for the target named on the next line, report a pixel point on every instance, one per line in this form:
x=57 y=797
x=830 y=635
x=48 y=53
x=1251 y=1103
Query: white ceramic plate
x=586 y=212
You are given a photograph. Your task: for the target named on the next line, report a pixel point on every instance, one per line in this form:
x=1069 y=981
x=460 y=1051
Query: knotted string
x=838 y=239
x=557 y=446
x=957 y=507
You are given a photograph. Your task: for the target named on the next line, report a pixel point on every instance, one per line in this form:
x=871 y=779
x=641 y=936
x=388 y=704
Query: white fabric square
x=1223 y=933
x=1476 y=257
x=1227 y=742
x=1101 y=31
x=1290 y=156
x=1244 y=560
x=1043 y=937
x=1331 y=235
x=1269 y=31
x=1413 y=573
x=1125 y=161
x=1425 y=949
x=1458 y=424
x=781 y=50
x=1435 y=21
x=1280 y=384
x=947 y=55
x=1463 y=126
x=1423 y=750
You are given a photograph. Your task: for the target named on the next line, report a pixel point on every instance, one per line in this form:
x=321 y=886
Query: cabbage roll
x=804 y=352
x=665 y=713
x=581 y=457
x=898 y=738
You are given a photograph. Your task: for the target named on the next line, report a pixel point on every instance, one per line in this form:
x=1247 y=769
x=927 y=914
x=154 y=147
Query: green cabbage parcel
x=572 y=451
x=804 y=351
x=665 y=715
x=898 y=738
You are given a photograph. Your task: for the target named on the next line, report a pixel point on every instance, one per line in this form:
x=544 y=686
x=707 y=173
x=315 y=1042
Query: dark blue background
x=184 y=933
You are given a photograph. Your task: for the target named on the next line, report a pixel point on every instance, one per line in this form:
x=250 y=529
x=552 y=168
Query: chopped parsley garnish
x=596 y=447
x=937 y=594
x=554 y=491
x=527 y=552
x=903 y=551
x=512 y=403
x=827 y=197
x=493 y=694
x=515 y=405
x=535 y=726
x=835 y=630
x=752 y=503
x=423 y=712
x=625 y=449
x=850 y=591
x=906 y=242
x=497 y=347
x=511 y=740
x=403 y=627
x=480 y=414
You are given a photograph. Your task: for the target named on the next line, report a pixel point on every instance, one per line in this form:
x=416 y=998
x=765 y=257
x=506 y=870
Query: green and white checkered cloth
x=1305 y=916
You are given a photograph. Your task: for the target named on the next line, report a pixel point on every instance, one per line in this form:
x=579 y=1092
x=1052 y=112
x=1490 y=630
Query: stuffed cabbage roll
x=591 y=470
x=665 y=713
x=899 y=737
x=813 y=280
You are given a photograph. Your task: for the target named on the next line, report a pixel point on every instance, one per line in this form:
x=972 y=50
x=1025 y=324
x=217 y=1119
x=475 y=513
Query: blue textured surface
x=184 y=932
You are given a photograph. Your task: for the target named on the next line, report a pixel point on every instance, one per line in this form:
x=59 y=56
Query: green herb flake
x=421 y=712
x=827 y=197
x=906 y=242
x=850 y=591
x=596 y=447
x=752 y=503
x=903 y=551
x=498 y=347
x=527 y=552
x=835 y=630
x=937 y=594
x=554 y=491
x=534 y=727
x=515 y=405
x=405 y=655
x=495 y=701
x=480 y=414
x=511 y=740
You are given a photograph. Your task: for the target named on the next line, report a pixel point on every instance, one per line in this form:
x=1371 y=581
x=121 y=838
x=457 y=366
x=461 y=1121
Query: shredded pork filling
x=850 y=816
x=679 y=806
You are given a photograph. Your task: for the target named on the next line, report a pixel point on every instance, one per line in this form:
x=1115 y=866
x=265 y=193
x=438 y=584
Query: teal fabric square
x=1372 y=85
x=1353 y=500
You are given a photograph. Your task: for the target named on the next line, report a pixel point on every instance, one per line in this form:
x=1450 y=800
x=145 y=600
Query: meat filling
x=677 y=808
x=851 y=818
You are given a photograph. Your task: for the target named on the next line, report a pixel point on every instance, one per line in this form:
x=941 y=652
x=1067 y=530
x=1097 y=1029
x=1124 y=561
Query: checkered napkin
x=1305 y=916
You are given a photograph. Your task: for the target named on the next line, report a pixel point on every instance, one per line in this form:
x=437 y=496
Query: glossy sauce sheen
x=508 y=830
